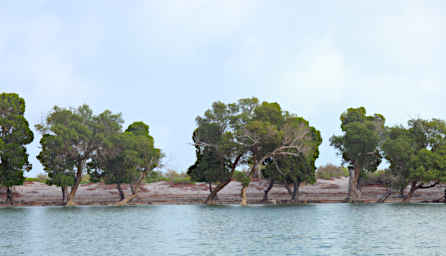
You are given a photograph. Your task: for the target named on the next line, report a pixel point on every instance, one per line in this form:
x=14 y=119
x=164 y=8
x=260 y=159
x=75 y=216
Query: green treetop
x=14 y=135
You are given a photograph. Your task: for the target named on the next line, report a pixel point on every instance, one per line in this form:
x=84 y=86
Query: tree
x=14 y=135
x=244 y=180
x=209 y=167
x=58 y=164
x=248 y=133
x=294 y=169
x=145 y=157
x=359 y=145
x=417 y=155
x=276 y=134
x=217 y=143
x=71 y=137
x=126 y=158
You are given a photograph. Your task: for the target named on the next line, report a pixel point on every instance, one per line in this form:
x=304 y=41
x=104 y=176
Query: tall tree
x=248 y=133
x=417 y=155
x=217 y=142
x=144 y=158
x=126 y=158
x=359 y=145
x=74 y=136
x=14 y=135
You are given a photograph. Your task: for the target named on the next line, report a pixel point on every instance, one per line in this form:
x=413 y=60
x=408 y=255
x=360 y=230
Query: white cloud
x=412 y=35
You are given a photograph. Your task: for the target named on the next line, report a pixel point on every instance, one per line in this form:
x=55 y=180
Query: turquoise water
x=322 y=229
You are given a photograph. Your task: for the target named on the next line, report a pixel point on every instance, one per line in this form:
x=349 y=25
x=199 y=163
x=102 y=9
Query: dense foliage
x=261 y=138
x=359 y=145
x=14 y=135
x=251 y=134
x=70 y=139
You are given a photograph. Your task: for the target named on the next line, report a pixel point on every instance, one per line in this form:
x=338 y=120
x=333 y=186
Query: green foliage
x=181 y=180
x=330 y=171
x=380 y=177
x=253 y=134
x=40 y=178
x=155 y=176
x=71 y=137
x=417 y=154
x=125 y=156
x=242 y=177
x=359 y=145
x=14 y=135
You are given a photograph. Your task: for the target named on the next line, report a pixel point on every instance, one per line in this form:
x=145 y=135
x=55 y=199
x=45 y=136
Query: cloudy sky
x=165 y=62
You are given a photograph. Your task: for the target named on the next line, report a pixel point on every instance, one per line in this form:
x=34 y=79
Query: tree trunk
x=295 y=194
x=213 y=195
x=244 y=201
x=210 y=200
x=77 y=181
x=413 y=187
x=9 y=199
x=402 y=192
x=384 y=197
x=64 y=193
x=210 y=187
x=287 y=186
x=135 y=190
x=270 y=186
x=354 y=191
x=121 y=193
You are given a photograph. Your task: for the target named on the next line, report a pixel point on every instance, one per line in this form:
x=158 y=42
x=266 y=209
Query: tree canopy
x=417 y=154
x=126 y=158
x=247 y=133
x=14 y=135
x=359 y=145
x=70 y=138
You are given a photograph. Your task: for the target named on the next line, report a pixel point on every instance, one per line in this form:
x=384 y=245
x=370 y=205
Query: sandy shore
x=323 y=191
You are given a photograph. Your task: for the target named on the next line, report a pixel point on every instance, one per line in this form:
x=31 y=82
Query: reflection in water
x=324 y=229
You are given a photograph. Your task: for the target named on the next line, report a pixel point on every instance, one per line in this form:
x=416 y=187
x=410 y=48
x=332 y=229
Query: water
x=322 y=229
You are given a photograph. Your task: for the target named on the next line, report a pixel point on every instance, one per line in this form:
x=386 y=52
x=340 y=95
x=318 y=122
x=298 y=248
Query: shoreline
x=164 y=193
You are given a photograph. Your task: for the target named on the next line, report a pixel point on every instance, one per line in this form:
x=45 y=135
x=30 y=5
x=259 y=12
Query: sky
x=165 y=62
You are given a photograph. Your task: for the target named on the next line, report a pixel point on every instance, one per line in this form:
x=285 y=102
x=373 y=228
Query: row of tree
x=75 y=142
x=268 y=142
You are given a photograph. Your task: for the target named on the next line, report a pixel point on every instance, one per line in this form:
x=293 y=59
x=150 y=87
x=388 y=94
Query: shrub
x=85 y=179
x=155 y=176
x=380 y=177
x=181 y=180
x=330 y=171
x=40 y=178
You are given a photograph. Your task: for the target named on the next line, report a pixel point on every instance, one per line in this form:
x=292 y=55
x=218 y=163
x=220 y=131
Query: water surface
x=315 y=229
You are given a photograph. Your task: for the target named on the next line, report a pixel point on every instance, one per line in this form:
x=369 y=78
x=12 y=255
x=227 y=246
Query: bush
x=170 y=176
x=330 y=171
x=155 y=176
x=181 y=180
x=380 y=177
x=40 y=178
x=85 y=179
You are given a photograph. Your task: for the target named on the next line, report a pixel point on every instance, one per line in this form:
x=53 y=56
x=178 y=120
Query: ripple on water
x=322 y=229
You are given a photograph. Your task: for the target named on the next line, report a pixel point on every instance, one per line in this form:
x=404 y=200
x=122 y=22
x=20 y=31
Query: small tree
x=14 y=135
x=359 y=145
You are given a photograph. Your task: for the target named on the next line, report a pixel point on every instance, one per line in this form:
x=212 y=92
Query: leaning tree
x=14 y=135
x=127 y=157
